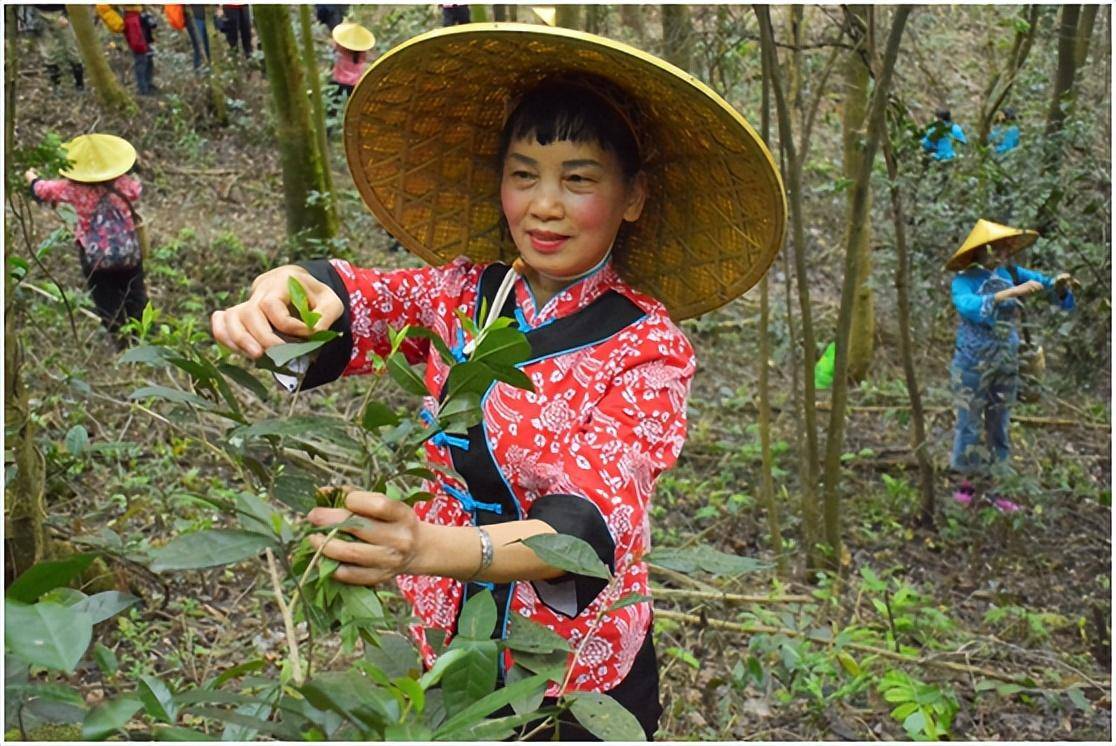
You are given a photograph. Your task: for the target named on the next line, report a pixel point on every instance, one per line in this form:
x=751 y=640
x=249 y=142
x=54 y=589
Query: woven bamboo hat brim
x=987 y=233
x=422 y=133
x=98 y=157
x=354 y=37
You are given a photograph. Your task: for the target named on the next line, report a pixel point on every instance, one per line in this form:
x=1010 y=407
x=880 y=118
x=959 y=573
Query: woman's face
x=564 y=203
x=990 y=257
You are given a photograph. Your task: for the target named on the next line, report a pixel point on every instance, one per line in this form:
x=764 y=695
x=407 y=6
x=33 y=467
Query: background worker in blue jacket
x=1004 y=137
x=987 y=292
x=939 y=137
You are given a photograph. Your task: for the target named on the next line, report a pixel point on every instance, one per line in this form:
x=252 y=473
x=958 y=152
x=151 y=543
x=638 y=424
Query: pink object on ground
x=965 y=493
x=1006 y=506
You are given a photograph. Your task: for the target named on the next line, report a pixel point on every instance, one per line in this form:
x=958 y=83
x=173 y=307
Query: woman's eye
x=579 y=179
x=522 y=174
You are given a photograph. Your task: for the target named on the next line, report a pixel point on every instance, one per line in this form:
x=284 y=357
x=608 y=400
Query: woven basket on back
x=422 y=132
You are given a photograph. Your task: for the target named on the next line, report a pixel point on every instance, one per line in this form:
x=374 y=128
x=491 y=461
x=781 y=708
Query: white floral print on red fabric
x=604 y=422
x=85 y=197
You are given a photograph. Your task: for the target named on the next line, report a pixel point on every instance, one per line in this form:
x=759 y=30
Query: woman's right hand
x=250 y=327
x=1020 y=291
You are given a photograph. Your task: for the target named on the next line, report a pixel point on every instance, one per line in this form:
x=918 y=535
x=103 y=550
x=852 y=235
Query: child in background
x=107 y=242
x=351 y=43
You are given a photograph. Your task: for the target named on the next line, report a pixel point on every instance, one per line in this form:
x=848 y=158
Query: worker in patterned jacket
x=596 y=195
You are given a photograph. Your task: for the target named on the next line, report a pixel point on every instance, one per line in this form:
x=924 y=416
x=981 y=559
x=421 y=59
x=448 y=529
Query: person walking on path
x=58 y=47
x=237 y=25
x=194 y=25
x=988 y=292
x=139 y=34
x=106 y=235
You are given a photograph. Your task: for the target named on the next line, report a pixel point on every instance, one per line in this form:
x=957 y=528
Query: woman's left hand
x=385 y=547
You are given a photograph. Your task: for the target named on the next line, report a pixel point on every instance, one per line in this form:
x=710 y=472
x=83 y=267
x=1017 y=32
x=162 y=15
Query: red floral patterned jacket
x=84 y=198
x=582 y=452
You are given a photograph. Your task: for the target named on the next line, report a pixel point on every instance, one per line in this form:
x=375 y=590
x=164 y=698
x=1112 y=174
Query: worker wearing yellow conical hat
x=589 y=195
x=96 y=183
x=988 y=292
x=351 y=48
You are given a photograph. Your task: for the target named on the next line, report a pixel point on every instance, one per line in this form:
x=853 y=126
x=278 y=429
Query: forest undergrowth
x=989 y=626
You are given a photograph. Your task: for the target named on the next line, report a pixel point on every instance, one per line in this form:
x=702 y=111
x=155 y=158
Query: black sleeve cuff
x=31 y=186
x=333 y=357
x=573 y=515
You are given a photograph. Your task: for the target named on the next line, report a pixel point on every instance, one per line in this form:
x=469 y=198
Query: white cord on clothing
x=494 y=310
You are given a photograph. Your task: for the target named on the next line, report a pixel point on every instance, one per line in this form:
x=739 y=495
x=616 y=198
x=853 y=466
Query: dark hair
x=573 y=110
x=1009 y=113
x=943 y=114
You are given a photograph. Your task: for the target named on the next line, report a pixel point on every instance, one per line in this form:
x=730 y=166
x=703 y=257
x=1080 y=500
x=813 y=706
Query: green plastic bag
x=823 y=369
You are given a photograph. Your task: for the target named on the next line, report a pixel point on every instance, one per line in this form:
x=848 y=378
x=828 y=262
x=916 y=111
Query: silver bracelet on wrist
x=487 y=552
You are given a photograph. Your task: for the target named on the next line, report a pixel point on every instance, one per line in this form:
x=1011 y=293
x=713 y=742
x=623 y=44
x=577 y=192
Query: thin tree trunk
x=632 y=17
x=678 y=35
x=568 y=16
x=110 y=92
x=309 y=59
x=906 y=350
x=858 y=238
x=859 y=215
x=998 y=88
x=1084 y=35
x=217 y=69
x=11 y=75
x=767 y=486
x=1063 y=78
x=595 y=18
x=303 y=170
x=809 y=346
x=25 y=537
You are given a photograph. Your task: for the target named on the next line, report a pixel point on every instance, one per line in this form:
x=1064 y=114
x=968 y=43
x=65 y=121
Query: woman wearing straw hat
x=351 y=43
x=108 y=243
x=596 y=195
x=987 y=293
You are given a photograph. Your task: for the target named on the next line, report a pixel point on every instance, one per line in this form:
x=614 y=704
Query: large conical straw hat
x=422 y=133
x=97 y=157
x=354 y=37
x=987 y=233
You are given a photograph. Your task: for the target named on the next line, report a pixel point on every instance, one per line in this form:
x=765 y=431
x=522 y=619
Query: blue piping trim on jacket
x=441 y=438
x=519 y=516
x=471 y=505
x=458 y=350
x=581 y=347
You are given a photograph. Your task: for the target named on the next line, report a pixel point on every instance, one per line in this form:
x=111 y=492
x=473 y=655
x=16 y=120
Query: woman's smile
x=546 y=242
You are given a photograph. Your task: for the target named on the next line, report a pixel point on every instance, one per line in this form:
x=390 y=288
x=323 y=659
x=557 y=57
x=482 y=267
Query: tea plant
x=384 y=694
